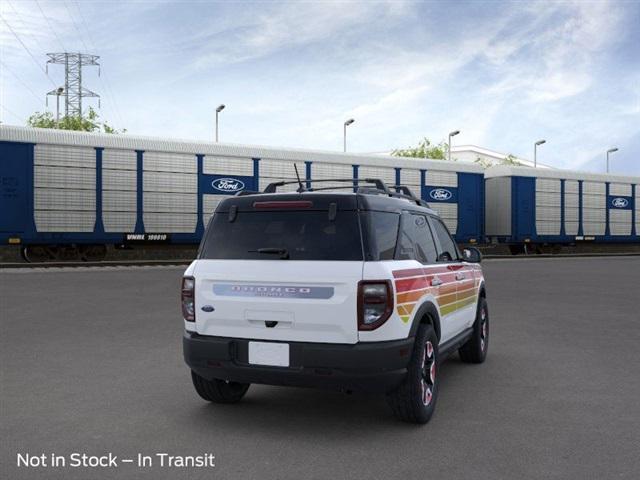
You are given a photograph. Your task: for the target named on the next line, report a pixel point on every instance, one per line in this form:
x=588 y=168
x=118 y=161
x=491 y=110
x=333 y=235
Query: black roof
x=322 y=201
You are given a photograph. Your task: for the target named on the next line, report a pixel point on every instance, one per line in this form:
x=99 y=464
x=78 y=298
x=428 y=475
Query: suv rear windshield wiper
x=283 y=252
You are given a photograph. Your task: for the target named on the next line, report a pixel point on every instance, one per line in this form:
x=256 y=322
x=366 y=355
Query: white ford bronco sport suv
x=360 y=290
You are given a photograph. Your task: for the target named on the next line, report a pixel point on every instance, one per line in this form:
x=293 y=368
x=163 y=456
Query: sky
x=290 y=73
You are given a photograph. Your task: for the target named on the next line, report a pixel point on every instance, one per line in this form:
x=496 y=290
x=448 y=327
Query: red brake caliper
x=427 y=393
x=483 y=329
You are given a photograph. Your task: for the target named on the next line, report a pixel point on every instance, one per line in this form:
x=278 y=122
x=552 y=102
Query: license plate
x=269 y=353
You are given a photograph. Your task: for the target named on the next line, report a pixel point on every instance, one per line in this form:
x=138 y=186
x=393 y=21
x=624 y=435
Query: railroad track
x=106 y=263
x=183 y=262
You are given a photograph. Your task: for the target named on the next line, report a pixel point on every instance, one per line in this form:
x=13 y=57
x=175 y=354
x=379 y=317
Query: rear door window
x=416 y=241
x=448 y=250
x=283 y=235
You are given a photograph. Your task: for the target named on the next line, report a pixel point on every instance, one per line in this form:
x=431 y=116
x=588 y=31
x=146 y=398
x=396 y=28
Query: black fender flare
x=426 y=309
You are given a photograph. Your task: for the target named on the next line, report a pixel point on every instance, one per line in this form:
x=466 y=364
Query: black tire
x=415 y=400
x=219 y=391
x=475 y=350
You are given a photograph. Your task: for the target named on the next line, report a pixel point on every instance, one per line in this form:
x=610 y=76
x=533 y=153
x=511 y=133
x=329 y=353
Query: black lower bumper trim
x=370 y=367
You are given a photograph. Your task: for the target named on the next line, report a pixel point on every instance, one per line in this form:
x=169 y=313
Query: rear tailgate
x=281 y=267
x=285 y=300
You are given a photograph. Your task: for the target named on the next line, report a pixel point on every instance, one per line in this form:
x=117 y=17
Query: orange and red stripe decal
x=413 y=283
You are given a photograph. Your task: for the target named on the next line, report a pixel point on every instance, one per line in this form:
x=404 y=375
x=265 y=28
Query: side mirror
x=472 y=255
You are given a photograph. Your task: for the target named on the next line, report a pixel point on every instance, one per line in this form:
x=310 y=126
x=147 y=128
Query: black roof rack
x=272 y=187
x=379 y=188
x=407 y=193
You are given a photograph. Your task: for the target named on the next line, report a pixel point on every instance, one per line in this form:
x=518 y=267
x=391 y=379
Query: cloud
x=291 y=73
x=551 y=56
x=248 y=36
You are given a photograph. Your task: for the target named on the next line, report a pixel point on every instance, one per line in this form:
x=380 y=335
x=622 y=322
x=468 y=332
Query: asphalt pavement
x=91 y=362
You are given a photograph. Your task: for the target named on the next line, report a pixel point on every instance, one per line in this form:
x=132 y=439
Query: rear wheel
x=219 y=391
x=475 y=350
x=415 y=400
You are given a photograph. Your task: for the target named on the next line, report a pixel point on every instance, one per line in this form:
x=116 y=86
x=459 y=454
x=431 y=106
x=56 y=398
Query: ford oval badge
x=440 y=194
x=228 y=185
x=620 y=202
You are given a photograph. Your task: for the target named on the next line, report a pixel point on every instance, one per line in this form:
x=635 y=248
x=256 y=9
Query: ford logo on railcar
x=440 y=194
x=619 y=202
x=228 y=184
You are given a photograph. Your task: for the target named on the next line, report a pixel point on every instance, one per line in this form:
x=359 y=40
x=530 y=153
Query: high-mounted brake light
x=188 y=299
x=375 y=303
x=284 y=204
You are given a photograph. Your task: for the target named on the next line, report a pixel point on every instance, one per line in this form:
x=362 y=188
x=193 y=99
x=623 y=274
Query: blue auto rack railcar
x=84 y=191
x=529 y=207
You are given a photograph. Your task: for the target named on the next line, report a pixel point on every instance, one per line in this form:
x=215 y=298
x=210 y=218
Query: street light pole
x=346 y=124
x=451 y=134
x=59 y=91
x=218 y=110
x=611 y=150
x=535 y=152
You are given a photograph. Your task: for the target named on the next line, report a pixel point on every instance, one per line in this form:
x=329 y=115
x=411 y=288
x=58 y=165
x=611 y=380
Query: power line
x=21 y=81
x=13 y=114
x=84 y=24
x=50 y=26
x=75 y=25
x=24 y=25
x=106 y=84
x=28 y=51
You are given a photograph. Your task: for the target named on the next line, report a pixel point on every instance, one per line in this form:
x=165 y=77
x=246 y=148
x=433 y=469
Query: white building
x=470 y=153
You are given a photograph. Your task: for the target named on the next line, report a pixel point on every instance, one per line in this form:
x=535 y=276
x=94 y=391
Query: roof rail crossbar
x=378 y=188
x=406 y=192
x=335 y=187
x=380 y=185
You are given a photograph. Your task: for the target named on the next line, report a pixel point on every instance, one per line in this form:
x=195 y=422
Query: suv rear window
x=275 y=235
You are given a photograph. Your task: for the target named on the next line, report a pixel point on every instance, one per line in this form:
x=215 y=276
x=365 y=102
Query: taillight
x=188 y=299
x=375 y=303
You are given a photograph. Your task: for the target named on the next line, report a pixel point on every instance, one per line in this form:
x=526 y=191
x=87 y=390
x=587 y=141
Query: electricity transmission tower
x=73 y=91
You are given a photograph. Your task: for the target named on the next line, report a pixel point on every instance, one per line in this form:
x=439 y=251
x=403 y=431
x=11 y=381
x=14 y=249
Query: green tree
x=87 y=123
x=483 y=162
x=508 y=160
x=425 y=149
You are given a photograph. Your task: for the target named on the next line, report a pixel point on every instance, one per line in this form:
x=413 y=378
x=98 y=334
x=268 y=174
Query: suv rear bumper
x=369 y=367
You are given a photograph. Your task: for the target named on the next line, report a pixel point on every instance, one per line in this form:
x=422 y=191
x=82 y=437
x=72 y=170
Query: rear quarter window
x=381 y=234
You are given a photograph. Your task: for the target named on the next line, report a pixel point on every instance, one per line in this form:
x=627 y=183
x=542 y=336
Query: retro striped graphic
x=441 y=282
